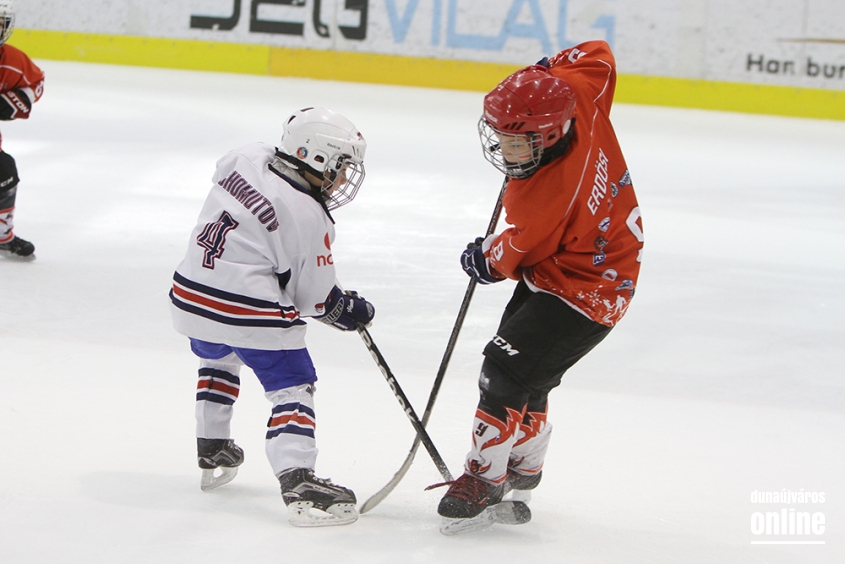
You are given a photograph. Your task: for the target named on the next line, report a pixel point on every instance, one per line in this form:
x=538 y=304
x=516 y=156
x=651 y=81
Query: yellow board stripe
x=410 y=71
x=731 y=96
x=143 y=51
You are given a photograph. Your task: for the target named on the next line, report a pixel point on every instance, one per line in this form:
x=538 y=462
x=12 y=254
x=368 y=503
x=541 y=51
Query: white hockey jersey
x=258 y=260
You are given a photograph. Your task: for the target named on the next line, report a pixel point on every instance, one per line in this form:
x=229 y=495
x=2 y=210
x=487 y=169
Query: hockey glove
x=14 y=104
x=345 y=311
x=474 y=261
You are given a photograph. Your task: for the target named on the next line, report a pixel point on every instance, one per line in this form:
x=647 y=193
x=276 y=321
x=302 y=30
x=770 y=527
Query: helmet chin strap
x=316 y=190
x=300 y=166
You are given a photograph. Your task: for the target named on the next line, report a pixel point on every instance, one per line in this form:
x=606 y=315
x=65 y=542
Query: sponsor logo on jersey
x=604 y=225
x=599 y=259
x=599 y=190
x=626 y=179
x=505 y=346
x=600 y=243
x=609 y=274
x=625 y=285
x=614 y=189
x=323 y=260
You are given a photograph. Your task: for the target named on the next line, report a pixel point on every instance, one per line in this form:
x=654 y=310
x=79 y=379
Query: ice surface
x=725 y=378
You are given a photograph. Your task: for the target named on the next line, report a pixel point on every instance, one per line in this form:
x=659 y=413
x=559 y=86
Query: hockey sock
x=290 y=440
x=217 y=389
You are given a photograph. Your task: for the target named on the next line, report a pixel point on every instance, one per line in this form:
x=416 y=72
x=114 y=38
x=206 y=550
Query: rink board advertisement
x=784 y=43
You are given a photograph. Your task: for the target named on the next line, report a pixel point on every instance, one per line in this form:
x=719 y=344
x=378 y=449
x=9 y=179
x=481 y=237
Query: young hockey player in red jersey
x=574 y=247
x=259 y=260
x=21 y=85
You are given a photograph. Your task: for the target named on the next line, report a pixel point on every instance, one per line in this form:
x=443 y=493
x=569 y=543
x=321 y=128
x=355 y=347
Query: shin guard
x=290 y=441
x=529 y=450
x=217 y=389
x=492 y=440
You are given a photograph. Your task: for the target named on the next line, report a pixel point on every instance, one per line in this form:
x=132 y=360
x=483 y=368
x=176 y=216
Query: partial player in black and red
x=21 y=85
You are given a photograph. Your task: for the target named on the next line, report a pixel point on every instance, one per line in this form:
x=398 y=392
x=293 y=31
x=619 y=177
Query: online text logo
x=786 y=523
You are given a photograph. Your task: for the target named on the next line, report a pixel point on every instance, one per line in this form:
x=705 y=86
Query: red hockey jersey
x=17 y=71
x=577 y=231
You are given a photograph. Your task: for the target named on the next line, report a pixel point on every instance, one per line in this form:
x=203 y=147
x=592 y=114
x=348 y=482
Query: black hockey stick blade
x=379 y=496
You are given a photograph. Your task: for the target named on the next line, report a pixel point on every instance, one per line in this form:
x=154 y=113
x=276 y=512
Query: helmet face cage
x=517 y=155
x=7 y=21
x=341 y=181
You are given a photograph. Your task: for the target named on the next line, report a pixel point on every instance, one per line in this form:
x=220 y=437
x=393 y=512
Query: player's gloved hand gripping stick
x=377 y=498
x=345 y=310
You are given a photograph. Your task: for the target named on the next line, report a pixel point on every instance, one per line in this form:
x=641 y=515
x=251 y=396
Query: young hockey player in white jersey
x=259 y=261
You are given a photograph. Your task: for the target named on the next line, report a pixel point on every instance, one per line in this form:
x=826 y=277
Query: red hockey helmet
x=529 y=111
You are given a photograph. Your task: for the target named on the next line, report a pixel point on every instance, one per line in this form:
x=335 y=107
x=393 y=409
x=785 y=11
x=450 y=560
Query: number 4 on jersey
x=213 y=237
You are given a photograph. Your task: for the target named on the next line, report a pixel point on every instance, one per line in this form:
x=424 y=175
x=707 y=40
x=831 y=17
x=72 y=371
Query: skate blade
x=505 y=513
x=300 y=515
x=211 y=480
x=520 y=495
x=17 y=258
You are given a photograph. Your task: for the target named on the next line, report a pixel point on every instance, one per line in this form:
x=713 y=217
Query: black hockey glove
x=14 y=104
x=345 y=310
x=474 y=262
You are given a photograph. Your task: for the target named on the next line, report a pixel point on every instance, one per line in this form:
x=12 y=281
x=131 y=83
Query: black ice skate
x=468 y=496
x=520 y=485
x=471 y=504
x=18 y=247
x=219 y=460
x=302 y=490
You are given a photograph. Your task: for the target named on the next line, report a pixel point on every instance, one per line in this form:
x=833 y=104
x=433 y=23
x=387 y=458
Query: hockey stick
x=419 y=427
x=379 y=496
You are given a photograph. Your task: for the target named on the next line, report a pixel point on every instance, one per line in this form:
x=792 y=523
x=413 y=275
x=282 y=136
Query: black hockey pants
x=8 y=180
x=539 y=338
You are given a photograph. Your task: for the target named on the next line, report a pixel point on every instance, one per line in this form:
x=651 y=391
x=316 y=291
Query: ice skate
x=18 y=247
x=302 y=491
x=471 y=504
x=520 y=485
x=219 y=460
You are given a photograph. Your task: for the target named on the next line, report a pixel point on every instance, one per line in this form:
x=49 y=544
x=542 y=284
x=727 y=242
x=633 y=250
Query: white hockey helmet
x=328 y=146
x=7 y=20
